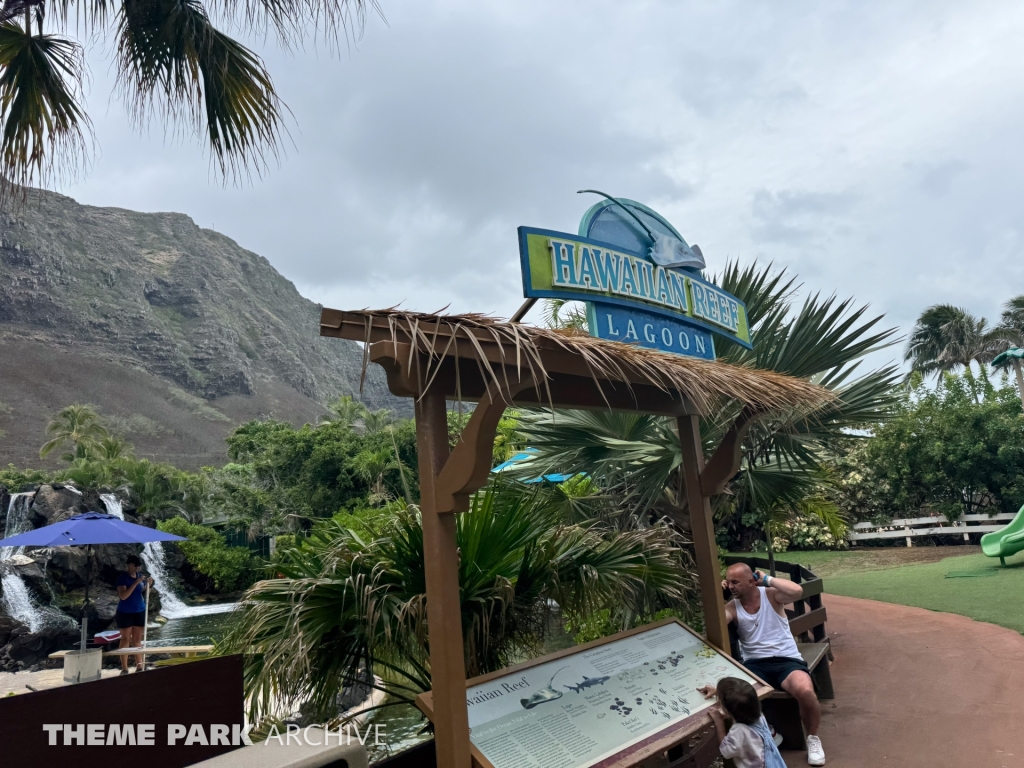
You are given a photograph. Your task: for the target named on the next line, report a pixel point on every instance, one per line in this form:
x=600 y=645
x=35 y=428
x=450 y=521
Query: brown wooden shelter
x=438 y=358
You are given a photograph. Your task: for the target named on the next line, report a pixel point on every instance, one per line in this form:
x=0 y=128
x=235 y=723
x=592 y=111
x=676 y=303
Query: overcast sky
x=873 y=149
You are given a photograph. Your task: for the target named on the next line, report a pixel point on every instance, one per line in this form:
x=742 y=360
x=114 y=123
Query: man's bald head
x=740 y=580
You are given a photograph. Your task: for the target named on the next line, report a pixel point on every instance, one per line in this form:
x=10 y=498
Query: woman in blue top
x=131 y=610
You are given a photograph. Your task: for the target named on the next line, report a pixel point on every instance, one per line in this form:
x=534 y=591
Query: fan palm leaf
x=351 y=602
x=45 y=128
x=173 y=61
x=823 y=340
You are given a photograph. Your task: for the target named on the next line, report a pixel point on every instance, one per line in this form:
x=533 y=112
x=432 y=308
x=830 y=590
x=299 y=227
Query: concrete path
x=918 y=689
x=14 y=683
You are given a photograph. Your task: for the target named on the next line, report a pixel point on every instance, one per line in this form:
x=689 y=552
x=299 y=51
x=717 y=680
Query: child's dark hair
x=133 y=560
x=739 y=699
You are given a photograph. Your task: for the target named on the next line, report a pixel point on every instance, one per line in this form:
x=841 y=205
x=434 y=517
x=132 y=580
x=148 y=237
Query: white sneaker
x=815 y=754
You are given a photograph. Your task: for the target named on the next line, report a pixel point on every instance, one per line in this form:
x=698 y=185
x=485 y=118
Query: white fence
x=929 y=526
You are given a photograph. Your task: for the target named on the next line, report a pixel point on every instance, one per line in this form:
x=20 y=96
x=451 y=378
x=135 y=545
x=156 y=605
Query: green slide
x=1005 y=542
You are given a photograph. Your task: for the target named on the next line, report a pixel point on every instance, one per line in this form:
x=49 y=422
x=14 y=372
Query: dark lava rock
x=54 y=503
x=33 y=576
x=109 y=560
x=67 y=566
x=25 y=648
x=7 y=626
x=103 y=602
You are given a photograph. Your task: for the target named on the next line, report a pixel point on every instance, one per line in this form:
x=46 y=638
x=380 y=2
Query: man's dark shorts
x=125 y=620
x=775 y=669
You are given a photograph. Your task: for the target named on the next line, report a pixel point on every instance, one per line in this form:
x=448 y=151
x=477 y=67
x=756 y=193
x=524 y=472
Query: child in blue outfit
x=749 y=741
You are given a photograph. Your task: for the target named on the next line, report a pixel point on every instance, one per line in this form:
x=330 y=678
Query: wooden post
x=703 y=526
x=444 y=616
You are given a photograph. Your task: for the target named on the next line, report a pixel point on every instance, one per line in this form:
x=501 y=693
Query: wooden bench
x=807 y=623
x=781 y=709
x=935 y=525
x=170 y=650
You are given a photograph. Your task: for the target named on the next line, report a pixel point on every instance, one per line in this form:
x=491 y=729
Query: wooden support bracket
x=469 y=464
x=728 y=457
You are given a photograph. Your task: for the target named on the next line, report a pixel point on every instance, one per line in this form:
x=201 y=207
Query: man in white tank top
x=767 y=646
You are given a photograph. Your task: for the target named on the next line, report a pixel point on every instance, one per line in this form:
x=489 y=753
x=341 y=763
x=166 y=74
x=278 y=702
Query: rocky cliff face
x=195 y=332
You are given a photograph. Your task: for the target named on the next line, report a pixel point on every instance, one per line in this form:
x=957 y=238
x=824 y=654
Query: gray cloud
x=797 y=218
x=936 y=179
x=803 y=135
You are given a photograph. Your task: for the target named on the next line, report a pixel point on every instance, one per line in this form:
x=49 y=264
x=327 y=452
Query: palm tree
x=346 y=410
x=351 y=601
x=76 y=425
x=171 y=62
x=158 y=491
x=638 y=456
x=565 y=314
x=946 y=338
x=1012 y=325
x=112 y=448
x=377 y=421
x=370 y=465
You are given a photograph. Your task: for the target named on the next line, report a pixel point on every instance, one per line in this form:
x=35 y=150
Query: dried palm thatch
x=498 y=346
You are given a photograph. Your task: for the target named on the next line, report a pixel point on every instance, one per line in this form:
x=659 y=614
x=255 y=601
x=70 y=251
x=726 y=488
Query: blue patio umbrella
x=83 y=531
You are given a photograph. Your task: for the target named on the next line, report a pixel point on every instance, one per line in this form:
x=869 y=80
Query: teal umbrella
x=1012 y=356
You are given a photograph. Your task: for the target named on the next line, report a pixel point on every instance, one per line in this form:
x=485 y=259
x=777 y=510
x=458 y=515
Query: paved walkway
x=918 y=689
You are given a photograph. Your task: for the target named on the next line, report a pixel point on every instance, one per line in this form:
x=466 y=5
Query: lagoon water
x=201 y=625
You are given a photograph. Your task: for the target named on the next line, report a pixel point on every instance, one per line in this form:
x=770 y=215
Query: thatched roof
x=496 y=347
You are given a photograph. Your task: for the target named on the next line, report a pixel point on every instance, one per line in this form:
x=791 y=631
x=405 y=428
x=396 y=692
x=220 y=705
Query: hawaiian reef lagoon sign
x=639 y=278
x=615 y=701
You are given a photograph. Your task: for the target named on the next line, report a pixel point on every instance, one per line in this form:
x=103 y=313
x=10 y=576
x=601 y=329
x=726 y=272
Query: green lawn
x=834 y=563
x=973 y=586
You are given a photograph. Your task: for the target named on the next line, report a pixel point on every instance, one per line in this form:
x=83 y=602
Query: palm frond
x=946 y=337
x=565 y=314
x=332 y=21
x=351 y=601
x=172 y=61
x=45 y=128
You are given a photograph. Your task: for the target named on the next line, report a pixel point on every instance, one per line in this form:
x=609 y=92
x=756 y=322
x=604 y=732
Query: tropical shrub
x=228 y=568
x=350 y=601
x=602 y=623
x=784 y=455
x=804 y=533
x=14 y=479
x=313 y=472
x=957 y=448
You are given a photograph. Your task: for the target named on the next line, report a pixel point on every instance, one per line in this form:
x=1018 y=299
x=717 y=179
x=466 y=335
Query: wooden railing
x=935 y=525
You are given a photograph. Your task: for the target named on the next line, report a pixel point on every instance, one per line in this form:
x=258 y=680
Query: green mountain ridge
x=176 y=333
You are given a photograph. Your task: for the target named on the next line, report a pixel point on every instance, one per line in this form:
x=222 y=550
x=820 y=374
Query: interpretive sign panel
x=607 y=703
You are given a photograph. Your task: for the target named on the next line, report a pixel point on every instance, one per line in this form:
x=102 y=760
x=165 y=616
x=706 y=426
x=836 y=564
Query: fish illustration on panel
x=544 y=694
x=587 y=682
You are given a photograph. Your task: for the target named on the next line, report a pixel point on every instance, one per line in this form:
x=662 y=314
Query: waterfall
x=17 y=522
x=17 y=600
x=171 y=605
x=113 y=505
